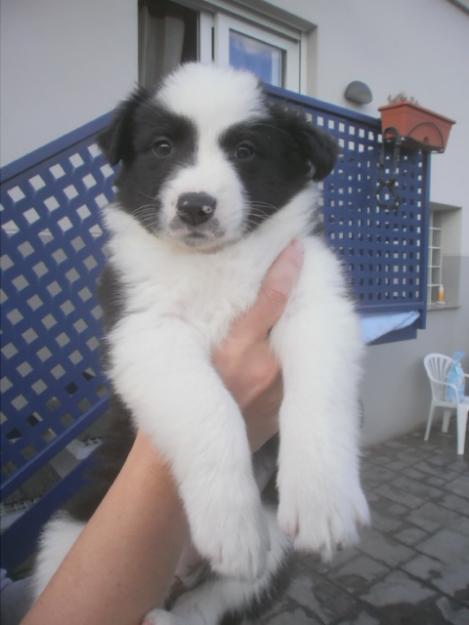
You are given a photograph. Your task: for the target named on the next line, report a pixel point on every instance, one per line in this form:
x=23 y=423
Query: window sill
x=447 y=306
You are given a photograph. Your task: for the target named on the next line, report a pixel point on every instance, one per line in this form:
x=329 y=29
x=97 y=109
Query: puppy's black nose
x=195 y=208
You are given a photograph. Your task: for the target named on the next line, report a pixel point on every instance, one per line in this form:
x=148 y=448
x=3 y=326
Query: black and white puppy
x=214 y=182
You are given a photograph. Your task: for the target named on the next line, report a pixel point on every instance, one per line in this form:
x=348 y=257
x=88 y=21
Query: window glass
x=262 y=59
x=444 y=255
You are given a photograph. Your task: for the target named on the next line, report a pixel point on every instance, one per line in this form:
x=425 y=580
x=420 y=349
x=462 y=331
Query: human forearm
x=135 y=535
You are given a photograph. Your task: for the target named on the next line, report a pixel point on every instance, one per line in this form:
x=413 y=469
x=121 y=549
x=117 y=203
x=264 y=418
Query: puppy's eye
x=162 y=147
x=244 y=151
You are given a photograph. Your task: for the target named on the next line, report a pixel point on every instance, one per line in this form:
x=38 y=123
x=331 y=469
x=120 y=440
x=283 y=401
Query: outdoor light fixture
x=358 y=92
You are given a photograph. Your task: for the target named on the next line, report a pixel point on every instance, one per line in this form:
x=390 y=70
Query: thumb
x=274 y=292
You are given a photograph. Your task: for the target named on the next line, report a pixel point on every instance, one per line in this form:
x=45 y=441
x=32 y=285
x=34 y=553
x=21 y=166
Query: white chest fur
x=206 y=290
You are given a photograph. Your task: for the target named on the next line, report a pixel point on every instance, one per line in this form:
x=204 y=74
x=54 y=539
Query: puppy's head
x=206 y=159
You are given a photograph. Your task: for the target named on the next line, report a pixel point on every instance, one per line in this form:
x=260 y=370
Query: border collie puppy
x=214 y=183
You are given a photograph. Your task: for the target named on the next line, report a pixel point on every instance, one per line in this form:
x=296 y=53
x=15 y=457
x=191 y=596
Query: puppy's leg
x=56 y=540
x=321 y=503
x=165 y=376
x=211 y=601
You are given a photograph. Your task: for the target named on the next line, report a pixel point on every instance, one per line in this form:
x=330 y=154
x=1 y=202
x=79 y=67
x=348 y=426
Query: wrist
x=145 y=462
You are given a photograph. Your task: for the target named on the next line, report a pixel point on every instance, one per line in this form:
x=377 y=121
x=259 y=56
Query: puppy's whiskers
x=147 y=213
x=149 y=197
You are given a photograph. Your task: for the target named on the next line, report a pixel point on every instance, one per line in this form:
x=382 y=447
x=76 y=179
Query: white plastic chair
x=437 y=366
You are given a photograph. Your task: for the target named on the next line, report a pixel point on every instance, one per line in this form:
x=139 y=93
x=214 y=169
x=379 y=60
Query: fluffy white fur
x=208 y=602
x=56 y=540
x=212 y=96
x=179 y=303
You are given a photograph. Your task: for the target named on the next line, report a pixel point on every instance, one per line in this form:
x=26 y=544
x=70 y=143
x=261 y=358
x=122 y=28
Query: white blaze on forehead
x=213 y=97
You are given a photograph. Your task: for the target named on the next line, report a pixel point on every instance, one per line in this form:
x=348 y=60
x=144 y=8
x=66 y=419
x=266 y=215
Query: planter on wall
x=416 y=126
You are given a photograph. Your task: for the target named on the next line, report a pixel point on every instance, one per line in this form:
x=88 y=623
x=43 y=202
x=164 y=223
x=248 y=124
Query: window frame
x=435 y=259
x=224 y=24
x=214 y=28
x=444 y=238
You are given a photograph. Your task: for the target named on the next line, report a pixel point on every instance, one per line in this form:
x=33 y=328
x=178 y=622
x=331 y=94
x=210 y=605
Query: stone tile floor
x=412 y=565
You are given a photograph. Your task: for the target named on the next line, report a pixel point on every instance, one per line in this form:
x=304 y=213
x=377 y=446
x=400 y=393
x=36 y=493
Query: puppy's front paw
x=231 y=532
x=320 y=513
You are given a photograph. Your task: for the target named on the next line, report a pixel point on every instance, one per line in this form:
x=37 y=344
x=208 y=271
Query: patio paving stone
x=397 y=588
x=384 y=548
x=410 y=535
x=437 y=514
x=400 y=495
x=453 y=502
x=358 y=574
x=382 y=520
x=459 y=486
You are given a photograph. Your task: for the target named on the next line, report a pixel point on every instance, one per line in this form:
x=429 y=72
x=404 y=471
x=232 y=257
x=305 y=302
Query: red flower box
x=418 y=126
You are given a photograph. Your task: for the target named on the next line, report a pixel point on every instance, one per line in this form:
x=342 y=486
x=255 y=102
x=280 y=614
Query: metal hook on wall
x=387 y=194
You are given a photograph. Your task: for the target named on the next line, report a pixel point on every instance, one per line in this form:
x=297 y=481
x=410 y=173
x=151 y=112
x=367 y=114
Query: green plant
x=400 y=98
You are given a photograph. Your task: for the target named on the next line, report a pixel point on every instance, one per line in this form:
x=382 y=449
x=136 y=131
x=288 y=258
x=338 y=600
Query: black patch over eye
x=162 y=147
x=244 y=151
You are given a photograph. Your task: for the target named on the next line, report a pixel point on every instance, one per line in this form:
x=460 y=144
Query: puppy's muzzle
x=195 y=209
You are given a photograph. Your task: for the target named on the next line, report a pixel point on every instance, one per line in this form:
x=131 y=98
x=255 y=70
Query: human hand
x=244 y=359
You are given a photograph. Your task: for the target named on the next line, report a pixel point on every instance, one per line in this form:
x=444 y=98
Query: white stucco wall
x=62 y=64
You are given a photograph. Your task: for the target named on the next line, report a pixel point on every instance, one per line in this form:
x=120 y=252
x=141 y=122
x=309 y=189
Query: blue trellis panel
x=52 y=253
x=383 y=246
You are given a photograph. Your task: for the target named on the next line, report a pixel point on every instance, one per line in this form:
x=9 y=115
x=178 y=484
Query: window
x=273 y=56
x=444 y=247
x=170 y=33
x=263 y=59
x=436 y=291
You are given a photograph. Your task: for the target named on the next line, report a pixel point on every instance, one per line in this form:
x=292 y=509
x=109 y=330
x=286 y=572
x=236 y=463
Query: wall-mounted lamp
x=358 y=92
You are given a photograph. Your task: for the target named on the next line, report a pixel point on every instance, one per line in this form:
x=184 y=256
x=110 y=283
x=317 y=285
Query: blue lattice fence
x=52 y=254
x=384 y=248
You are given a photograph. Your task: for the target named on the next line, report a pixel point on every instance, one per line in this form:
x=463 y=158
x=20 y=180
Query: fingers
x=273 y=295
x=244 y=360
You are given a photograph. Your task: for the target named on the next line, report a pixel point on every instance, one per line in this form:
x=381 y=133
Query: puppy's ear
x=322 y=149
x=116 y=140
x=318 y=149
